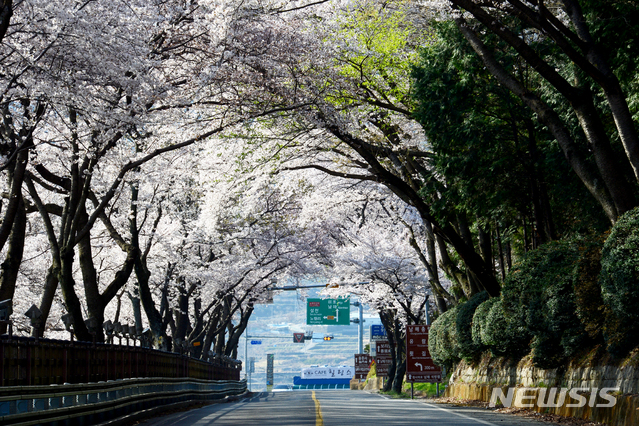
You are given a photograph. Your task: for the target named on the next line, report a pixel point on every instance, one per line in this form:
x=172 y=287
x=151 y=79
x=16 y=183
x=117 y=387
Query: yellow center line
x=318 y=412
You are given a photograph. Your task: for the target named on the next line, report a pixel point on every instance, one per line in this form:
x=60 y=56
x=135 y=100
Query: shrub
x=619 y=279
x=502 y=333
x=468 y=349
x=479 y=320
x=442 y=338
x=539 y=296
x=590 y=307
x=550 y=306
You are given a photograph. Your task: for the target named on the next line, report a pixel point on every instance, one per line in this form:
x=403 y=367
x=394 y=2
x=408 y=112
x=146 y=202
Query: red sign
x=383 y=358
x=362 y=365
x=420 y=367
x=298 y=337
x=314 y=304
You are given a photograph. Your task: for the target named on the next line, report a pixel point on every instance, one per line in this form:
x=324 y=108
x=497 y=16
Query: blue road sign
x=378 y=332
x=256 y=342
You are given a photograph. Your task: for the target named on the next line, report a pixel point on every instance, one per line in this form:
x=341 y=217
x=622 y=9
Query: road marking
x=442 y=409
x=318 y=412
x=461 y=415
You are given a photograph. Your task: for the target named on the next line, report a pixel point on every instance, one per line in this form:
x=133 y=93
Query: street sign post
x=362 y=365
x=420 y=367
x=383 y=358
x=298 y=337
x=269 y=371
x=328 y=311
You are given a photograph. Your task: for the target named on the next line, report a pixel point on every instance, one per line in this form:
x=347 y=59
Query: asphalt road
x=336 y=408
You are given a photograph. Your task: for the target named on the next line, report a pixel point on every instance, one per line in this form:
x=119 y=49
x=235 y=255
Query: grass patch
x=393 y=394
x=425 y=389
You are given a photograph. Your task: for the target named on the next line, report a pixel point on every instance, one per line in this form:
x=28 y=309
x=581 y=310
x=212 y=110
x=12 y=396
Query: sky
x=273 y=326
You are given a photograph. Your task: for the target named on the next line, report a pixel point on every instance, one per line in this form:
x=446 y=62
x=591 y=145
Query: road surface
x=335 y=408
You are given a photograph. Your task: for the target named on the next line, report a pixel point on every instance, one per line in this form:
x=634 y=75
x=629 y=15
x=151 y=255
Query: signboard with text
x=343 y=372
x=362 y=365
x=378 y=332
x=420 y=367
x=383 y=358
x=328 y=311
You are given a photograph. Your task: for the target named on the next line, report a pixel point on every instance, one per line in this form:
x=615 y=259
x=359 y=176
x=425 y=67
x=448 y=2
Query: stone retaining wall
x=502 y=372
x=478 y=382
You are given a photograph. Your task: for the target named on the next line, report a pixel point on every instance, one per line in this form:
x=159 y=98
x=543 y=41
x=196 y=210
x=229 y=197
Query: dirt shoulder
x=520 y=412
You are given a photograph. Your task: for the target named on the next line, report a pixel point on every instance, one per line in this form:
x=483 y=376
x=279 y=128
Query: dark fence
x=26 y=361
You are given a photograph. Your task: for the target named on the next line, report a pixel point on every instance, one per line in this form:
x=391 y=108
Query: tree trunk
x=234 y=337
x=388 y=321
x=181 y=314
x=400 y=360
x=137 y=312
x=430 y=265
x=548 y=117
x=502 y=265
x=485 y=246
x=95 y=307
x=73 y=305
x=405 y=192
x=452 y=271
x=440 y=296
x=209 y=336
x=50 y=288
x=601 y=72
x=10 y=267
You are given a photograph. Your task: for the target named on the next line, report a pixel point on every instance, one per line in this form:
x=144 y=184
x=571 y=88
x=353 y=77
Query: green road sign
x=328 y=311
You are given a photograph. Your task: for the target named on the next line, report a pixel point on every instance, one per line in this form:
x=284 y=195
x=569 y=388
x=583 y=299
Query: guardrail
x=26 y=361
x=93 y=403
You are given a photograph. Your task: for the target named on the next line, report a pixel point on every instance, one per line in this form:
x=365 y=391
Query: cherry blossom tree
x=84 y=84
x=339 y=91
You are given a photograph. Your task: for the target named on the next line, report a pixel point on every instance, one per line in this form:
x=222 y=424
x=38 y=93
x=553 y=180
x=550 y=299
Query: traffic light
x=328 y=337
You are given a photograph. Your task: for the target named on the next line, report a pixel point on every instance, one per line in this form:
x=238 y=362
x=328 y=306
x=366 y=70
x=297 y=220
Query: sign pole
x=428 y=324
x=426 y=306
x=360 y=328
x=246 y=353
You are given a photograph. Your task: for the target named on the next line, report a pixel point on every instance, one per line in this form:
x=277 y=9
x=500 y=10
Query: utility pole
x=360 y=326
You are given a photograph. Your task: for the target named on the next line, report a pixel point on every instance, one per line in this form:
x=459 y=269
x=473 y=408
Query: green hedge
x=539 y=296
x=560 y=299
x=450 y=338
x=544 y=308
x=442 y=338
x=480 y=322
x=619 y=281
x=501 y=333
x=469 y=349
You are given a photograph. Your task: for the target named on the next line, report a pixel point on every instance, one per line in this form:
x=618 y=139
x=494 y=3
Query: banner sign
x=327 y=373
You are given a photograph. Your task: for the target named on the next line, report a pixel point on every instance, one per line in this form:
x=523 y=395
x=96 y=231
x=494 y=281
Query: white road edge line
x=449 y=411
x=460 y=415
